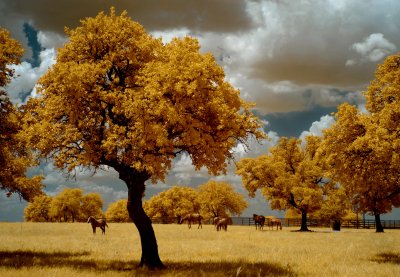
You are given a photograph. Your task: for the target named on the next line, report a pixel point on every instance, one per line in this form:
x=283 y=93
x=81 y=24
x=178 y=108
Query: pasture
x=70 y=249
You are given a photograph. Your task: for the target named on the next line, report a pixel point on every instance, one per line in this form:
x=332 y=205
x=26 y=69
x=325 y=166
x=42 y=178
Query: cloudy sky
x=297 y=60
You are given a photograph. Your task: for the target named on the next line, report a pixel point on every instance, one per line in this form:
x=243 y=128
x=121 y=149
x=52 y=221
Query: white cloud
x=50 y=40
x=317 y=127
x=372 y=49
x=23 y=84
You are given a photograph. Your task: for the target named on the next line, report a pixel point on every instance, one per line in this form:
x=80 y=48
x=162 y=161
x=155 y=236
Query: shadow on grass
x=387 y=257
x=81 y=261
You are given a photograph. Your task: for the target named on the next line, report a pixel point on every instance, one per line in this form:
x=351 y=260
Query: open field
x=70 y=249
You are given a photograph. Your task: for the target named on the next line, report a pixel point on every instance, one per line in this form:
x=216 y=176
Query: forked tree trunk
x=378 y=223
x=135 y=183
x=304 y=227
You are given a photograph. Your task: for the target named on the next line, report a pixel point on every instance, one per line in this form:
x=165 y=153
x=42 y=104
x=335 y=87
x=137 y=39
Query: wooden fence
x=294 y=222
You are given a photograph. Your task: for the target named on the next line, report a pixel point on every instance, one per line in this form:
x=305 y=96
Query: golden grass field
x=70 y=249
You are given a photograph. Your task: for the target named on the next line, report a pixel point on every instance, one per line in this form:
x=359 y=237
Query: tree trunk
x=303 y=227
x=135 y=183
x=378 y=224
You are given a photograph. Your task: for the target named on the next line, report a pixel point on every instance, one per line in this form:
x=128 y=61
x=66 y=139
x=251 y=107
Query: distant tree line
x=70 y=205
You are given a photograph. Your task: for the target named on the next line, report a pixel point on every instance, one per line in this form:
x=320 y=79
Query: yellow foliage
x=361 y=150
x=38 y=210
x=14 y=156
x=289 y=176
x=117 y=211
x=174 y=202
x=128 y=100
x=220 y=199
x=10 y=53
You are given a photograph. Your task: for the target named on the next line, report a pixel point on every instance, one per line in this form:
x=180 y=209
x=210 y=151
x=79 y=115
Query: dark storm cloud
x=208 y=15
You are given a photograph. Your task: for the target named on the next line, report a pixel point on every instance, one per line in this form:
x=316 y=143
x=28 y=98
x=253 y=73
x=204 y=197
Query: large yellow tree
x=120 y=98
x=289 y=176
x=14 y=157
x=362 y=149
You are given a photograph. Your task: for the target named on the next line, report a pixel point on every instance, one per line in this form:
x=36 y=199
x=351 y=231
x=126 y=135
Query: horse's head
x=90 y=219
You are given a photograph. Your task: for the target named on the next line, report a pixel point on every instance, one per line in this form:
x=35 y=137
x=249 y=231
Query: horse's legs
x=94 y=229
x=103 y=230
x=189 y=224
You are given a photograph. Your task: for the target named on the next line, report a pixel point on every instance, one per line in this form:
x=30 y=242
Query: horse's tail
x=106 y=224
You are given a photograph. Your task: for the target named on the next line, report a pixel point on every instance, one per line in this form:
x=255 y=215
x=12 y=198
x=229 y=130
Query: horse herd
x=220 y=223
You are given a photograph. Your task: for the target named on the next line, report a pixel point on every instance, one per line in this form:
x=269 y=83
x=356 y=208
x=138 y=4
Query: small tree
x=67 y=204
x=91 y=205
x=117 y=211
x=335 y=206
x=220 y=199
x=39 y=209
x=289 y=176
x=14 y=157
x=174 y=202
x=134 y=104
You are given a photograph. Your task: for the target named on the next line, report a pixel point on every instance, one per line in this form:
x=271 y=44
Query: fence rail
x=294 y=222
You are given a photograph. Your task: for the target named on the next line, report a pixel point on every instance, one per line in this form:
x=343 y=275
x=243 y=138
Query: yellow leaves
x=14 y=155
x=287 y=171
x=362 y=149
x=176 y=201
x=220 y=199
x=385 y=88
x=129 y=99
x=10 y=53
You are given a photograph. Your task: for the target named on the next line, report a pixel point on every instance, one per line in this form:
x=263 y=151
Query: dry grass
x=70 y=249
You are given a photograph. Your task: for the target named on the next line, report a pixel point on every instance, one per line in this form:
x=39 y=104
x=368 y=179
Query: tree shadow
x=82 y=261
x=387 y=257
x=226 y=268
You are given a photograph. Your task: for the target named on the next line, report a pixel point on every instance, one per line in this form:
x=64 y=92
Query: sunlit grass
x=70 y=249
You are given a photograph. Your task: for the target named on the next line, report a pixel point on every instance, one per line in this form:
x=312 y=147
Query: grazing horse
x=222 y=223
x=271 y=221
x=191 y=218
x=259 y=220
x=215 y=221
x=101 y=223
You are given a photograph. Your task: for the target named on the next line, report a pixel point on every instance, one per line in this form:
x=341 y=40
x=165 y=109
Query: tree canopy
x=38 y=210
x=220 y=199
x=174 y=202
x=14 y=156
x=117 y=211
x=130 y=100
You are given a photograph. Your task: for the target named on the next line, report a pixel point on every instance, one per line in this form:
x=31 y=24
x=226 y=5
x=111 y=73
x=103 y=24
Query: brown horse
x=191 y=218
x=271 y=221
x=259 y=221
x=222 y=223
x=215 y=221
x=101 y=223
